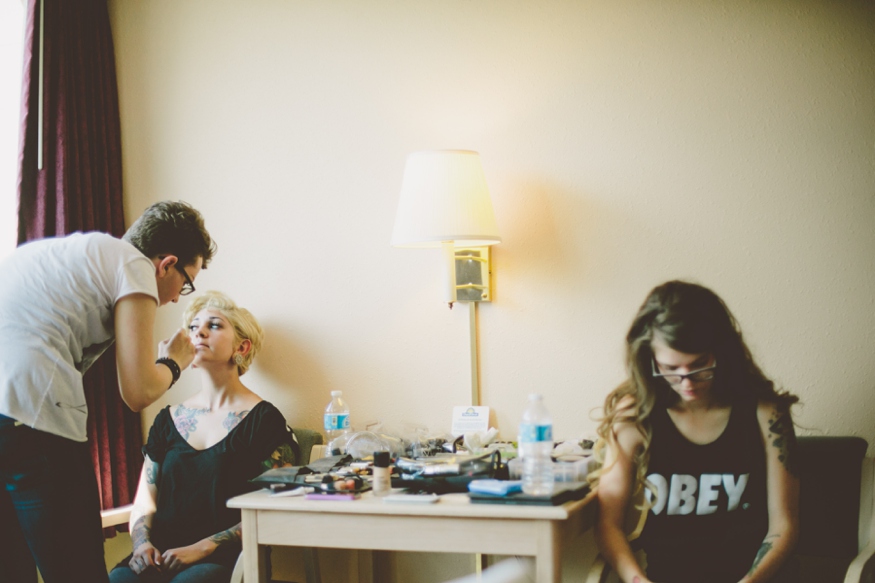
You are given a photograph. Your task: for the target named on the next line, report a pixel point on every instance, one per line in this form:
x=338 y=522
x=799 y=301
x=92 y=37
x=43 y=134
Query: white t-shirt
x=56 y=317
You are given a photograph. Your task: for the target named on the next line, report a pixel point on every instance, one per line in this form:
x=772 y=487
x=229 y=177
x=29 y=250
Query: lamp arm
x=449 y=252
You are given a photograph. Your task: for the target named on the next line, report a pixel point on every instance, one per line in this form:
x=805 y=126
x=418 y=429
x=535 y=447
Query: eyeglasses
x=188 y=286
x=696 y=376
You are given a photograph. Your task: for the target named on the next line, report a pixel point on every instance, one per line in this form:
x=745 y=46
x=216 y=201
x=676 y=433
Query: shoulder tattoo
x=233 y=419
x=783 y=438
x=151 y=472
x=283 y=456
x=186 y=420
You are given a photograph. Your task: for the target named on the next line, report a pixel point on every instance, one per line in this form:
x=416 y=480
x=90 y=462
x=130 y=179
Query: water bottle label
x=531 y=433
x=335 y=421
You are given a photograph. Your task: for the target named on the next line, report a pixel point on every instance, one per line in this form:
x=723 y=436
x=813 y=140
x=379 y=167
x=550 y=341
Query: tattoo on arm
x=233 y=419
x=186 y=420
x=232 y=535
x=151 y=472
x=764 y=550
x=783 y=438
x=283 y=456
x=140 y=532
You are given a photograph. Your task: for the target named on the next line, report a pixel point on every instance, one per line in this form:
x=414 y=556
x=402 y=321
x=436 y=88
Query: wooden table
x=453 y=525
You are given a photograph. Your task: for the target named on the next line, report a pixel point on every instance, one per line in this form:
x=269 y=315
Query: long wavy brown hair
x=692 y=319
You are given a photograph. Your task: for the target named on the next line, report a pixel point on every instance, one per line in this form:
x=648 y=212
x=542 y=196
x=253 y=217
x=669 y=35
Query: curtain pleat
x=79 y=189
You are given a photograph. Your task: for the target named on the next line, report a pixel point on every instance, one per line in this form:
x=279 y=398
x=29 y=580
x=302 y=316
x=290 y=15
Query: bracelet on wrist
x=174 y=369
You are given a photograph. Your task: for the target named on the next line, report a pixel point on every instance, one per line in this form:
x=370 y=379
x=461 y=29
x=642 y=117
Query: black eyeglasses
x=188 y=286
x=696 y=376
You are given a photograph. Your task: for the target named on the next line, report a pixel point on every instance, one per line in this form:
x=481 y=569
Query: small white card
x=468 y=419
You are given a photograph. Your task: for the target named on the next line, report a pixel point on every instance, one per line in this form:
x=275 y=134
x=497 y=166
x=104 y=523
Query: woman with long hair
x=704 y=433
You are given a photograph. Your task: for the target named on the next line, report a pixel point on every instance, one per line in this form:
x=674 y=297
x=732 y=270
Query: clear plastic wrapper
x=363 y=444
x=411 y=440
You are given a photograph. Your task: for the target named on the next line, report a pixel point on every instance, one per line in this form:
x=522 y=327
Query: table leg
x=254 y=557
x=481 y=562
x=548 y=561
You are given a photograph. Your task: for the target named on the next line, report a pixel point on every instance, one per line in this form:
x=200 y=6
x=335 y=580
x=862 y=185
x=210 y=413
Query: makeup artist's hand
x=179 y=347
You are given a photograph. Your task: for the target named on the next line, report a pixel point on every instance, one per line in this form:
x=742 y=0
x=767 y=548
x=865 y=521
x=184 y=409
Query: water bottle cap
x=535 y=397
x=336 y=393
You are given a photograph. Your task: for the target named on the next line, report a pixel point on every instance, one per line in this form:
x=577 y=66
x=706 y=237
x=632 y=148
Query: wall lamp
x=445 y=203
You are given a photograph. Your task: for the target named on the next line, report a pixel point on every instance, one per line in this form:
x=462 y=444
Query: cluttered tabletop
x=376 y=473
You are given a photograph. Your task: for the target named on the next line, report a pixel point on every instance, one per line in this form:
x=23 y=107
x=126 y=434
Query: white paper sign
x=468 y=419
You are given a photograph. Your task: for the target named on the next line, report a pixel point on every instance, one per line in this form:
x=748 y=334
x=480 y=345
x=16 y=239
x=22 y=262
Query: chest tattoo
x=233 y=419
x=186 y=420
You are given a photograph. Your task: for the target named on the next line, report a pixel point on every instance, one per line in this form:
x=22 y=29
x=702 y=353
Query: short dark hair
x=172 y=228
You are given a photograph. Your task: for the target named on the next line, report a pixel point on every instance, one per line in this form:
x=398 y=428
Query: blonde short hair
x=246 y=327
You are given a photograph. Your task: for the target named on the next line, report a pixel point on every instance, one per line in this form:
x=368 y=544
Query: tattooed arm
x=179 y=558
x=145 y=554
x=782 y=483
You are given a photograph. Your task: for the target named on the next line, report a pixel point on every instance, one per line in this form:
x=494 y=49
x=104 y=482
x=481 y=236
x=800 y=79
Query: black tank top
x=711 y=516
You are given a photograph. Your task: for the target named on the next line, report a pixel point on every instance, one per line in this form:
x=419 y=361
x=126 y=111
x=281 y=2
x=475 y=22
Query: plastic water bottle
x=336 y=417
x=536 y=444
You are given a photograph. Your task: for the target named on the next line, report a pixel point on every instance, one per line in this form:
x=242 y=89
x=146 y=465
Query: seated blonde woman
x=202 y=452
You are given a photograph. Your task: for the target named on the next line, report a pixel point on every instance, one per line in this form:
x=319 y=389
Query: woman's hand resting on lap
x=182 y=557
x=146 y=556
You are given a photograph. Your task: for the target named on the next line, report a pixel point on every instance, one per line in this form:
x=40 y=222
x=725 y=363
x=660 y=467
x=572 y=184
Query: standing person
x=203 y=452
x=63 y=301
x=700 y=427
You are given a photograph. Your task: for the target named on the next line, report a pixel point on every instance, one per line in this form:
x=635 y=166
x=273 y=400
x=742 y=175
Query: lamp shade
x=444 y=198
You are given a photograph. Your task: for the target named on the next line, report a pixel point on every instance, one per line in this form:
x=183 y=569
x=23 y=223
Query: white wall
x=625 y=143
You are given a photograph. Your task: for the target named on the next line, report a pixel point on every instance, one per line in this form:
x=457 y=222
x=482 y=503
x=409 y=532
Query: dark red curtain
x=79 y=188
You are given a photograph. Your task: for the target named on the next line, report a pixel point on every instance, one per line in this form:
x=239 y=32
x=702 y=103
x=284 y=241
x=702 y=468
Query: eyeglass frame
x=188 y=286
x=689 y=375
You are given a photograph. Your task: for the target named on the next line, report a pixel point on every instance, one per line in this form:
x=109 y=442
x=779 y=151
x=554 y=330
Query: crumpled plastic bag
x=476 y=441
x=570 y=447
